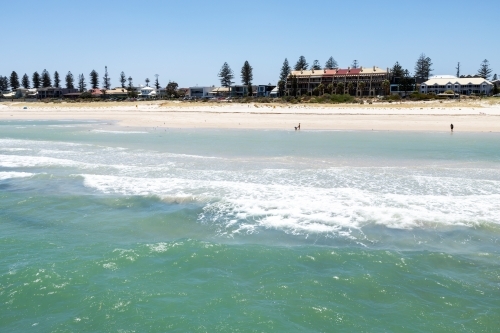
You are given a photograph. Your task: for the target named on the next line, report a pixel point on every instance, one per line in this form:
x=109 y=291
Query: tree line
x=44 y=80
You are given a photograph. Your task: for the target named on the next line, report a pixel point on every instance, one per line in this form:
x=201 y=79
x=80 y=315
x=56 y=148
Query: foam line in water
x=13 y=174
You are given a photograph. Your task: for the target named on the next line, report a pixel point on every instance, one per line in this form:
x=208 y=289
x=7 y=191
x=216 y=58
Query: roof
x=220 y=89
x=340 y=71
x=461 y=81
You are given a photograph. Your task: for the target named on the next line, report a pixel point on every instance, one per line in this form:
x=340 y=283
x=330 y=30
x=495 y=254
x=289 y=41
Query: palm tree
x=321 y=89
x=361 y=87
x=329 y=88
x=386 y=85
x=340 y=88
x=350 y=87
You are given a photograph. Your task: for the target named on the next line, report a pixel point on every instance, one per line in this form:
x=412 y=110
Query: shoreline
x=417 y=116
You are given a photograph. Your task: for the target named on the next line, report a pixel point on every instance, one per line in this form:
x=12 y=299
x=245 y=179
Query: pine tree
x=285 y=71
x=81 y=83
x=458 y=69
x=354 y=64
x=301 y=64
x=123 y=79
x=316 y=65
x=94 y=79
x=331 y=63
x=14 y=80
x=423 y=67
x=397 y=70
x=226 y=75
x=247 y=76
x=46 y=80
x=495 y=77
x=25 y=81
x=70 y=81
x=106 y=80
x=157 y=83
x=4 y=83
x=130 y=84
x=36 y=80
x=147 y=82
x=57 y=81
x=484 y=70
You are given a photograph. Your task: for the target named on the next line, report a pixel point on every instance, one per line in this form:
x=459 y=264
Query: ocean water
x=105 y=229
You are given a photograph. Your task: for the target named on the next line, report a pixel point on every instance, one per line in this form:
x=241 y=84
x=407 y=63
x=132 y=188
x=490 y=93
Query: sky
x=188 y=41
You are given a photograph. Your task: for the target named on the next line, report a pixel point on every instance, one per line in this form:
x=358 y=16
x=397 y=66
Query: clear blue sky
x=188 y=41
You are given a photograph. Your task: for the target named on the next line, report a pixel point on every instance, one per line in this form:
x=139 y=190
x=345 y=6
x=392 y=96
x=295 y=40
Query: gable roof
x=461 y=81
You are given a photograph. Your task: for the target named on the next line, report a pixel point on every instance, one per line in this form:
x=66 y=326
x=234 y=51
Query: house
x=219 y=92
x=53 y=92
x=117 y=92
x=462 y=86
x=242 y=90
x=274 y=93
x=363 y=81
x=147 y=92
x=199 y=92
x=26 y=93
x=264 y=90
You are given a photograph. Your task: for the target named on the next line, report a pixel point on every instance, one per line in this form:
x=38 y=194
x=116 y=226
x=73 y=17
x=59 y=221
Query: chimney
x=374 y=68
x=348 y=69
x=361 y=68
x=324 y=70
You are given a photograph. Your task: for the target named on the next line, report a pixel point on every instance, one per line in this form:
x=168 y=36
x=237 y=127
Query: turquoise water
x=110 y=230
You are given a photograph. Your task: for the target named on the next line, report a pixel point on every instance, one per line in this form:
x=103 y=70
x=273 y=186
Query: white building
x=463 y=86
x=147 y=92
x=199 y=92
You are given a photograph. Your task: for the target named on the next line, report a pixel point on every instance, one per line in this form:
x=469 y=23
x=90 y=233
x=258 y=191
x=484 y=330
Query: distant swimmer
x=451 y=126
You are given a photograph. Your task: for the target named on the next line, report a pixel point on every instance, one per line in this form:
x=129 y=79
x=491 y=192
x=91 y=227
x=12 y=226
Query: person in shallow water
x=451 y=126
x=297 y=127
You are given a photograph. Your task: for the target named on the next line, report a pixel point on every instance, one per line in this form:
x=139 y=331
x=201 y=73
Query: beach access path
x=468 y=115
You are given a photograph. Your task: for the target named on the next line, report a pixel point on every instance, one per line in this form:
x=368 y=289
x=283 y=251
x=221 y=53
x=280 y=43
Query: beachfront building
x=363 y=81
x=199 y=92
x=274 y=93
x=52 y=92
x=242 y=90
x=26 y=93
x=117 y=92
x=463 y=86
x=264 y=90
x=147 y=92
x=219 y=92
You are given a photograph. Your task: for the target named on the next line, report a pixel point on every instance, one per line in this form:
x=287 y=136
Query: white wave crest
x=246 y=207
x=13 y=174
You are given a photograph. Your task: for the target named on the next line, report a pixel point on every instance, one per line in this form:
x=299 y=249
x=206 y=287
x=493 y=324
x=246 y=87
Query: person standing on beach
x=451 y=126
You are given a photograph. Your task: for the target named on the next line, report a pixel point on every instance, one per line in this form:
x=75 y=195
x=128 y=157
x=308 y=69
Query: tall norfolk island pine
x=94 y=79
x=25 y=81
x=57 y=81
x=247 y=77
x=70 y=81
x=106 y=80
x=14 y=80
x=423 y=67
x=46 y=80
x=301 y=64
x=331 y=63
x=226 y=75
x=81 y=83
x=36 y=80
x=123 y=79
x=484 y=70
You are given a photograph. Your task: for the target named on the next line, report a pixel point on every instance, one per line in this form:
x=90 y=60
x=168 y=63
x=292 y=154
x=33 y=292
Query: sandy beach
x=470 y=116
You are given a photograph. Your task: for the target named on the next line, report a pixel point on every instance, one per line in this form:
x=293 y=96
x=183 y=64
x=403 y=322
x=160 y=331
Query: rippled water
x=110 y=229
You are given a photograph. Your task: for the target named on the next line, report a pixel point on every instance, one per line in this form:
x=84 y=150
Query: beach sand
x=466 y=115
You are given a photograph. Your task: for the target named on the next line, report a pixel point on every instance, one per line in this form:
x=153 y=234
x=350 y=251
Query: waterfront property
x=355 y=81
x=52 y=92
x=462 y=86
x=264 y=90
x=199 y=92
